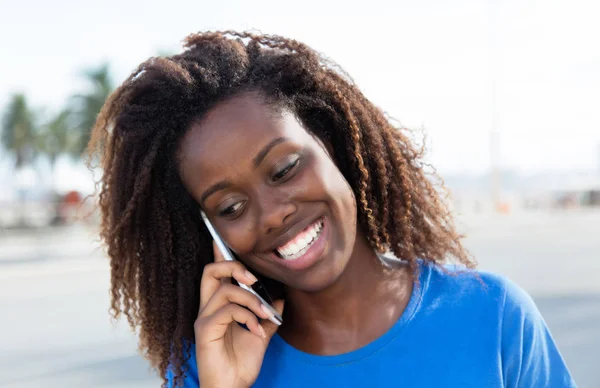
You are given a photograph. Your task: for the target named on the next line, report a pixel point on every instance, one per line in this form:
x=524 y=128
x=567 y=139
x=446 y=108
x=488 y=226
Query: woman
x=321 y=197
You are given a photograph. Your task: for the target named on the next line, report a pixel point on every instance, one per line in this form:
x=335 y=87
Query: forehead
x=236 y=129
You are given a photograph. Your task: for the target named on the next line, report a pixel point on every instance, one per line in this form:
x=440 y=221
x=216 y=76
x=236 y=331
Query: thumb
x=269 y=327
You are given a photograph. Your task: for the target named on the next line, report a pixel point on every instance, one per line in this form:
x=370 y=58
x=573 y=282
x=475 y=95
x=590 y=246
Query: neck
x=336 y=319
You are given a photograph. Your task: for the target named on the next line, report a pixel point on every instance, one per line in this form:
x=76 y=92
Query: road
x=55 y=330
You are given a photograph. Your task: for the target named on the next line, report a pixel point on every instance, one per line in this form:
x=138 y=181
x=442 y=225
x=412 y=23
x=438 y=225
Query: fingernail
x=262 y=331
x=267 y=311
x=251 y=277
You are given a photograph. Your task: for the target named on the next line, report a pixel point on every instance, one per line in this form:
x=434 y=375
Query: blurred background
x=507 y=93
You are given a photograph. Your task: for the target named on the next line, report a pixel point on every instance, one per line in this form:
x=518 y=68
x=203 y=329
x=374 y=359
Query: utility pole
x=494 y=162
x=598 y=156
x=494 y=73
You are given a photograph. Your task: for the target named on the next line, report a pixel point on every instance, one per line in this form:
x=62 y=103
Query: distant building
x=525 y=192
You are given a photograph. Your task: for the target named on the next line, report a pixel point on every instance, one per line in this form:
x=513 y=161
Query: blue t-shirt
x=460 y=329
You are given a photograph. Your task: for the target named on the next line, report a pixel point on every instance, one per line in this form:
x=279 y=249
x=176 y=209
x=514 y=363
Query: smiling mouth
x=302 y=242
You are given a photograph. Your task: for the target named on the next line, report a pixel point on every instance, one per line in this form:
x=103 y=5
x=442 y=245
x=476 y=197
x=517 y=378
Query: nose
x=276 y=209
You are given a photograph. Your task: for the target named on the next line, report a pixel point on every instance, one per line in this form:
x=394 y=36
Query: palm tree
x=19 y=136
x=87 y=106
x=57 y=138
x=166 y=53
x=19 y=130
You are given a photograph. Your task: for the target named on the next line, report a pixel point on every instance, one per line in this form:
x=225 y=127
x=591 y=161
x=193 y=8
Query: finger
x=269 y=327
x=229 y=293
x=215 y=326
x=213 y=273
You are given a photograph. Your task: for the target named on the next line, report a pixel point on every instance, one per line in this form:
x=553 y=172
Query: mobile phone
x=257 y=289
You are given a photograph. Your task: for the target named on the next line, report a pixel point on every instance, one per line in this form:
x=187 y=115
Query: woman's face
x=272 y=191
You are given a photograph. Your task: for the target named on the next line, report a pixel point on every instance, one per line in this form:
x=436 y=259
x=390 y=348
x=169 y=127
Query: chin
x=319 y=279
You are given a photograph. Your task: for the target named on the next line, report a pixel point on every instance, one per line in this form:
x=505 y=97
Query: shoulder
x=460 y=279
x=493 y=308
x=473 y=288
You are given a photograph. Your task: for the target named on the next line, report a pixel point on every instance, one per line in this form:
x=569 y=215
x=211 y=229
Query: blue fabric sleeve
x=530 y=357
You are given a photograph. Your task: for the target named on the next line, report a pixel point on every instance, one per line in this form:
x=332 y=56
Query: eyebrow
x=258 y=159
x=266 y=149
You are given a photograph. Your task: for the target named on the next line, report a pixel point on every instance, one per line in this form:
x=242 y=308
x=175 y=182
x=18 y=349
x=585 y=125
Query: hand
x=229 y=355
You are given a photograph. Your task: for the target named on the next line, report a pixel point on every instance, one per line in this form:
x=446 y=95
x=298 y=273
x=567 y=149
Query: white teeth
x=297 y=249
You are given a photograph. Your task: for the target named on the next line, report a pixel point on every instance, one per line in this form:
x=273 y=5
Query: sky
x=529 y=70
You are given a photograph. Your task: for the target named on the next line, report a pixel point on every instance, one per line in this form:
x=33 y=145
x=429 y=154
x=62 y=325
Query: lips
x=310 y=253
x=299 y=244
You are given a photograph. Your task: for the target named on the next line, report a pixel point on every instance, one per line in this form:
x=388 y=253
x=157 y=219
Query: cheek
x=260 y=267
x=349 y=210
x=240 y=237
x=337 y=187
x=344 y=200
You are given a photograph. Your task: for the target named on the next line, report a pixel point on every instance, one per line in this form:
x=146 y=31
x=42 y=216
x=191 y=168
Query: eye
x=232 y=210
x=288 y=169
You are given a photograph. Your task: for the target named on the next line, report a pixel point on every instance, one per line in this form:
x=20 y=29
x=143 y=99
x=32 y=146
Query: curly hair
x=155 y=239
